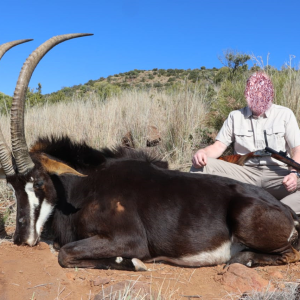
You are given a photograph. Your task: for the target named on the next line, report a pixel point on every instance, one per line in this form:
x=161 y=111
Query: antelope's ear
x=58 y=168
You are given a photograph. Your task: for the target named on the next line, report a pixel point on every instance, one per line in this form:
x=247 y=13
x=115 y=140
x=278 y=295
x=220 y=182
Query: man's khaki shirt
x=246 y=132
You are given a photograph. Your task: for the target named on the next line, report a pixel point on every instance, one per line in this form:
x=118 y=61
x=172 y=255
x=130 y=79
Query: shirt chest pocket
x=275 y=137
x=244 y=140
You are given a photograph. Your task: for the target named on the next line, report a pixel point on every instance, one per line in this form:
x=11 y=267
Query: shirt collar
x=249 y=112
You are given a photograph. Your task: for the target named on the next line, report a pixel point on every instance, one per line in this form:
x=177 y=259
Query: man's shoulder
x=280 y=108
x=246 y=112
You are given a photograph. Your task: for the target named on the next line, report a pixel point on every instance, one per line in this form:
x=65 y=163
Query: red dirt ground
x=34 y=273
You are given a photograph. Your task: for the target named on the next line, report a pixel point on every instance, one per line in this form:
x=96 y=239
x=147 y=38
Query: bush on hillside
x=106 y=90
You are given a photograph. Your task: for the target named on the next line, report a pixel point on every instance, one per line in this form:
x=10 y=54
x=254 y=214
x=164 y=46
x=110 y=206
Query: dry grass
x=178 y=116
x=291 y=92
x=7 y=211
x=290 y=292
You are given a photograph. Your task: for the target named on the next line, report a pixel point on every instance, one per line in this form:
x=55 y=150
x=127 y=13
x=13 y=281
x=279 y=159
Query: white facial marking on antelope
x=45 y=212
x=33 y=204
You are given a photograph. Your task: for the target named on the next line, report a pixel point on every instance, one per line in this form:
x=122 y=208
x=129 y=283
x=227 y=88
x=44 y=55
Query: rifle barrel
x=270 y=150
x=282 y=157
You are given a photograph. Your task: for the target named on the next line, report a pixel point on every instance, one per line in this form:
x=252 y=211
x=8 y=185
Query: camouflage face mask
x=259 y=93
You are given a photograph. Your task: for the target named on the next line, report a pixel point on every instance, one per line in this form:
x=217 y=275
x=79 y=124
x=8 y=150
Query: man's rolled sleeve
x=292 y=132
x=225 y=135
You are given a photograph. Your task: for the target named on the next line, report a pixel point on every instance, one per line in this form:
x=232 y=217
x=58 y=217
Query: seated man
x=247 y=128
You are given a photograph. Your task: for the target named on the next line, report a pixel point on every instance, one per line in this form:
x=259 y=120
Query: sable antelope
x=113 y=208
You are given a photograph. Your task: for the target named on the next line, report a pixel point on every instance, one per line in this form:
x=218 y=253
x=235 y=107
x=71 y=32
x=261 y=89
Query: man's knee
x=208 y=169
x=196 y=170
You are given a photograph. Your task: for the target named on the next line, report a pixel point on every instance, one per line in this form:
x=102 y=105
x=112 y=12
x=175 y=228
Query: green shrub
x=171 y=72
x=90 y=82
x=105 y=90
x=162 y=72
x=229 y=98
x=222 y=74
x=157 y=85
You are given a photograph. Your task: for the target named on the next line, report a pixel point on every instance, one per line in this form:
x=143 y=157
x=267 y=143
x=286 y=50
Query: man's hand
x=290 y=182
x=215 y=150
x=199 y=160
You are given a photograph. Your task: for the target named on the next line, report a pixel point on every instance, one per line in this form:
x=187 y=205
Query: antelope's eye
x=38 y=184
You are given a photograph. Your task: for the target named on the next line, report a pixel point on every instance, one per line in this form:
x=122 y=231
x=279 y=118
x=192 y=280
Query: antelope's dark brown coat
x=130 y=205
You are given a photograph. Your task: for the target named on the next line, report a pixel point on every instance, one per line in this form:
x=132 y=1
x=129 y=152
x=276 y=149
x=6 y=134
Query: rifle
x=281 y=156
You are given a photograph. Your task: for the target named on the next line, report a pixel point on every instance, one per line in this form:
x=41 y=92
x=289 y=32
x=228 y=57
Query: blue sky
x=132 y=34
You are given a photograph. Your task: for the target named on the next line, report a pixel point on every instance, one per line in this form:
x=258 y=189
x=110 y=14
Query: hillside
x=159 y=77
x=114 y=84
x=138 y=79
x=105 y=87
x=222 y=89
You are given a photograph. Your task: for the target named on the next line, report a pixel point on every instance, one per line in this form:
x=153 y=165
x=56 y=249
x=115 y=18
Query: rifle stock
x=237 y=158
x=281 y=156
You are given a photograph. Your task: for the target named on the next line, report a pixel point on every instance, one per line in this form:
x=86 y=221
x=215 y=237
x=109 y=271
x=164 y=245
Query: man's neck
x=258 y=117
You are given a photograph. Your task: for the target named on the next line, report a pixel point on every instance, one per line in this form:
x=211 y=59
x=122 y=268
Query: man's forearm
x=215 y=150
x=296 y=156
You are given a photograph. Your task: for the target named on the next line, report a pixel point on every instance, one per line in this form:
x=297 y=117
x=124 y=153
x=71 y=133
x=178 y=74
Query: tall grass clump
x=290 y=92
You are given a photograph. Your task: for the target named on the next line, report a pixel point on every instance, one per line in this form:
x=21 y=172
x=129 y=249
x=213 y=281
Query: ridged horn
x=19 y=146
x=5 y=47
x=5 y=153
x=5 y=157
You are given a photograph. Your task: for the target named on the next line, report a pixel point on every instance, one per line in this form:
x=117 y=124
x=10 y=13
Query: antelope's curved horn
x=5 y=153
x=5 y=157
x=5 y=47
x=19 y=146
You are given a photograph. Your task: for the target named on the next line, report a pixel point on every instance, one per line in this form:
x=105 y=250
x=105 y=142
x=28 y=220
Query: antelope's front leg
x=101 y=253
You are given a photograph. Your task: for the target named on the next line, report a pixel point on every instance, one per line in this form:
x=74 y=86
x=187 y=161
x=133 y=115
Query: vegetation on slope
x=222 y=90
